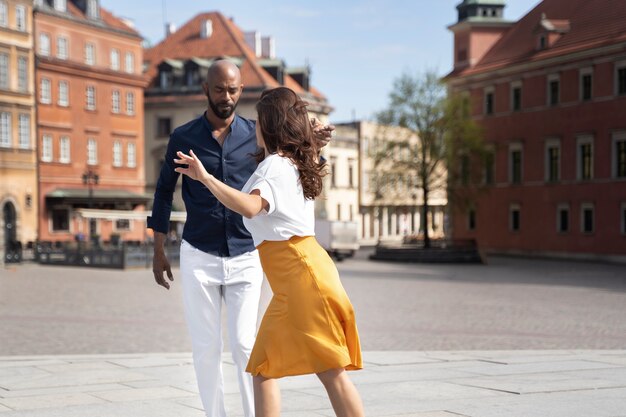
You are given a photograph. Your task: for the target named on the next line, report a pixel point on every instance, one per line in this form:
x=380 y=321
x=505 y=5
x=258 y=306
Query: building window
x=60 y=5
x=131 y=155
x=489 y=175
x=90 y=54
x=621 y=80
x=63 y=94
x=60 y=220
x=586 y=84
x=115 y=101
x=515 y=218
x=122 y=225
x=64 y=150
x=4 y=14
x=93 y=11
x=45 y=93
x=542 y=42
x=553 y=160
x=115 y=59
x=585 y=157
x=471 y=219
x=562 y=218
x=489 y=101
x=24 y=131
x=61 y=47
x=5 y=130
x=20 y=18
x=44 y=44
x=4 y=71
x=91 y=97
x=22 y=73
x=333 y=168
x=92 y=152
x=117 y=154
x=587 y=218
x=164 y=126
x=130 y=103
x=553 y=90
x=515 y=164
x=351 y=173
x=129 y=62
x=619 y=160
x=465 y=170
x=46 y=148
x=516 y=96
x=623 y=217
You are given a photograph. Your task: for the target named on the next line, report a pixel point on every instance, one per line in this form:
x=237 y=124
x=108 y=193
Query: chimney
x=206 y=29
x=253 y=39
x=170 y=29
x=268 y=47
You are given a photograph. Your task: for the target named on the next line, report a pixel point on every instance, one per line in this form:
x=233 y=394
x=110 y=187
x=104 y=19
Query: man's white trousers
x=206 y=281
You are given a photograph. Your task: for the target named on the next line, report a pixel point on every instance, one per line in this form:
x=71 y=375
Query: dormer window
x=60 y=5
x=542 y=42
x=549 y=31
x=165 y=79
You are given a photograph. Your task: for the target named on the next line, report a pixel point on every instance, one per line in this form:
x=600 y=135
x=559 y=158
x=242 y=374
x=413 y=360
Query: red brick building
x=89 y=87
x=550 y=93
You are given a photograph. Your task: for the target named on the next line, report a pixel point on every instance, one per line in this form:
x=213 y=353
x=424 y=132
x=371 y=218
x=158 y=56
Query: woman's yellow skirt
x=309 y=326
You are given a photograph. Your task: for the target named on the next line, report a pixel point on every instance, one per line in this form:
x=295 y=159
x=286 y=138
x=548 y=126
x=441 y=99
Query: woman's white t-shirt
x=289 y=213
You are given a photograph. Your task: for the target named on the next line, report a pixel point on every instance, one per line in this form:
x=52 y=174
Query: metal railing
x=121 y=256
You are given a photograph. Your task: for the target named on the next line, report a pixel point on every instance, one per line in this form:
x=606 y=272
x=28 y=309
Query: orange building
x=550 y=93
x=18 y=157
x=90 y=121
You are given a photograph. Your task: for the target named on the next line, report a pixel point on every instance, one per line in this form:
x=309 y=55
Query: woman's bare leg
x=342 y=393
x=266 y=397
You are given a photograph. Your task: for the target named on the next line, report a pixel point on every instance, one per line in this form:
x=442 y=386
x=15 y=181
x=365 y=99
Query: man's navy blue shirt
x=210 y=226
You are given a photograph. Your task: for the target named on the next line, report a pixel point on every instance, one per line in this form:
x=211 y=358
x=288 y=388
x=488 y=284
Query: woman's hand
x=322 y=133
x=195 y=170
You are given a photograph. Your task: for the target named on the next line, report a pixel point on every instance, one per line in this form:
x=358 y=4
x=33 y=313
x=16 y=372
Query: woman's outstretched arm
x=248 y=205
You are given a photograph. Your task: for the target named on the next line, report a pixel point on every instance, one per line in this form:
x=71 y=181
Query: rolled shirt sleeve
x=159 y=221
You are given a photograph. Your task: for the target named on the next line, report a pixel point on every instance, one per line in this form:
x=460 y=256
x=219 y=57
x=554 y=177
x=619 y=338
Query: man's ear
x=205 y=88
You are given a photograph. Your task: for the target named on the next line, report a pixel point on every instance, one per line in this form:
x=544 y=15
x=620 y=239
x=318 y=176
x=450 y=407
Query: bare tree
x=418 y=104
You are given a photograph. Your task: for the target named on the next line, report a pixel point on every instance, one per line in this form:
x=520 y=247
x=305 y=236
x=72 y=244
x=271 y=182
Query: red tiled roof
x=107 y=18
x=226 y=40
x=592 y=24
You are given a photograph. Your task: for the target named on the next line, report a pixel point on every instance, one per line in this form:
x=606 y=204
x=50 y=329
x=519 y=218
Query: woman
x=309 y=326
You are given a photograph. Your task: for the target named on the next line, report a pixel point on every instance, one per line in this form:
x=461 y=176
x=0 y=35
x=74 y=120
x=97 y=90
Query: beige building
x=340 y=200
x=390 y=200
x=177 y=66
x=18 y=157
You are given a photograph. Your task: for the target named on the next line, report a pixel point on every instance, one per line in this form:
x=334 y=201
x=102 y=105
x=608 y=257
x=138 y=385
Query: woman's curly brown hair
x=286 y=129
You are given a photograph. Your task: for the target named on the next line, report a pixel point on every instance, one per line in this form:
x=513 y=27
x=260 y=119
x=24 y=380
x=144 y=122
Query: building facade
x=18 y=158
x=340 y=201
x=177 y=66
x=550 y=92
x=89 y=121
x=390 y=201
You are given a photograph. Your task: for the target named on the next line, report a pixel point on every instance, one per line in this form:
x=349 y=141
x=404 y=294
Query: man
x=217 y=257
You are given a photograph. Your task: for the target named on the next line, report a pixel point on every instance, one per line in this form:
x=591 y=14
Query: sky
x=356 y=49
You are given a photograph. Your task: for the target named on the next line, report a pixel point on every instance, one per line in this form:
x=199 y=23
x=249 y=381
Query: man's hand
x=160 y=263
x=322 y=133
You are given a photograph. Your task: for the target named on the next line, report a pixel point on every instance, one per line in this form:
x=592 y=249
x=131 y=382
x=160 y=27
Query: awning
x=176 y=216
x=82 y=195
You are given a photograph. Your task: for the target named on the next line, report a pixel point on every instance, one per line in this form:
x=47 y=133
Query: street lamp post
x=90 y=179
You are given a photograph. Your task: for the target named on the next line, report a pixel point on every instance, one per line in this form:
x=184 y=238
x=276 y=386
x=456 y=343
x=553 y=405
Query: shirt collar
x=234 y=126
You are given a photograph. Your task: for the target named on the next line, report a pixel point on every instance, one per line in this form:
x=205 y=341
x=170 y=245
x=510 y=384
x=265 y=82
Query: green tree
x=446 y=136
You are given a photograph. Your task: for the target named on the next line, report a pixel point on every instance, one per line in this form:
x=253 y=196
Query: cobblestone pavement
x=508 y=304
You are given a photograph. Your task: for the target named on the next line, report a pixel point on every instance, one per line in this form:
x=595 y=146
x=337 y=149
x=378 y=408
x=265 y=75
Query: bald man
x=218 y=260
